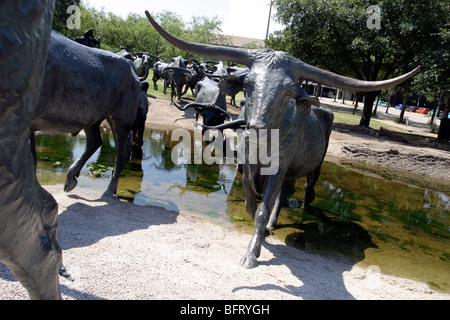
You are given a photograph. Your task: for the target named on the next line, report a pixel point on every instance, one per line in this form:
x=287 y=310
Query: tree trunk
x=436 y=109
x=389 y=100
x=447 y=107
x=402 y=113
x=376 y=106
x=356 y=103
x=368 y=106
x=444 y=128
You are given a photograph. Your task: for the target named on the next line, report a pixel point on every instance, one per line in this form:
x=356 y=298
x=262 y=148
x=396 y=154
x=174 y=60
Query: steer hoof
x=107 y=195
x=70 y=184
x=249 y=261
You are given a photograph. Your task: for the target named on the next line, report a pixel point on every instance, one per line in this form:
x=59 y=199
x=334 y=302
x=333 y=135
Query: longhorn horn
x=204 y=50
x=303 y=70
x=213 y=76
x=151 y=56
x=189 y=105
x=228 y=125
x=299 y=68
x=209 y=75
x=219 y=109
x=206 y=105
x=178 y=68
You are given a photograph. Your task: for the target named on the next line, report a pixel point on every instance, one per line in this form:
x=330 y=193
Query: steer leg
x=287 y=190
x=166 y=84
x=275 y=212
x=173 y=94
x=271 y=192
x=311 y=180
x=155 y=85
x=122 y=139
x=250 y=198
x=93 y=142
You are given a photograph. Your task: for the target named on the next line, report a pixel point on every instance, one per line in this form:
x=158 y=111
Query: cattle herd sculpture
x=51 y=83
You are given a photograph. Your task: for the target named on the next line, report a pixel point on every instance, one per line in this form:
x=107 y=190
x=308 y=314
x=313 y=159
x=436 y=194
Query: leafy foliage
x=334 y=35
x=135 y=32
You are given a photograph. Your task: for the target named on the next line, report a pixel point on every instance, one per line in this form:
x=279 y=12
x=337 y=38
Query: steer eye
x=248 y=85
x=291 y=91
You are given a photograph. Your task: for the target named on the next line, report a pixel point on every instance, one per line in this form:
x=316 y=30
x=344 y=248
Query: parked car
x=423 y=110
x=411 y=108
x=441 y=114
x=381 y=103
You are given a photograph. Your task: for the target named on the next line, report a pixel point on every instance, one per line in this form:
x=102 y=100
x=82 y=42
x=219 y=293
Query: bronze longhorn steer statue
x=82 y=87
x=275 y=100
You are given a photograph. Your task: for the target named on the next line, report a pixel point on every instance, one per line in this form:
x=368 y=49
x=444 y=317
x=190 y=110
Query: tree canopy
x=339 y=36
x=134 y=32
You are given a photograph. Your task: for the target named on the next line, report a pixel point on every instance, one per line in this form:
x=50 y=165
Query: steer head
x=272 y=81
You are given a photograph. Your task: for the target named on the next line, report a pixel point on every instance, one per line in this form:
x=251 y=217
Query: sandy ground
x=117 y=250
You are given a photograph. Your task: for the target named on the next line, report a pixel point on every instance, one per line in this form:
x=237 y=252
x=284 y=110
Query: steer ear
x=304 y=101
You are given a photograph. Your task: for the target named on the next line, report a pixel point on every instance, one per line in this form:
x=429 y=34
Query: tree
x=435 y=78
x=135 y=32
x=338 y=36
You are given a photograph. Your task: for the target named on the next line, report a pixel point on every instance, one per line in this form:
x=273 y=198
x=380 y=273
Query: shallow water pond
x=400 y=229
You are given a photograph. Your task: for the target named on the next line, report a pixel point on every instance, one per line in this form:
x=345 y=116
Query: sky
x=244 y=18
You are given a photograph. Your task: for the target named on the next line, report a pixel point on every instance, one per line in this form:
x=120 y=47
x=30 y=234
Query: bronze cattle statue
x=82 y=87
x=275 y=100
x=28 y=213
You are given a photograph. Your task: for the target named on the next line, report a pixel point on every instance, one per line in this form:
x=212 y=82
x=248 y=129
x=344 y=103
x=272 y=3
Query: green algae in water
x=99 y=170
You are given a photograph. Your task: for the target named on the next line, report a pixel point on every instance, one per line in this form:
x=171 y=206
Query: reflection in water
x=331 y=236
x=402 y=229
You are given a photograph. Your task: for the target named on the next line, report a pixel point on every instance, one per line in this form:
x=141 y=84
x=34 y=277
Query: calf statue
x=88 y=39
x=275 y=100
x=28 y=213
x=82 y=87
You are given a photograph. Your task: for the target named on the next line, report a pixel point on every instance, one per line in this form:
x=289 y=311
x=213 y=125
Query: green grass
x=342 y=117
x=347 y=118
